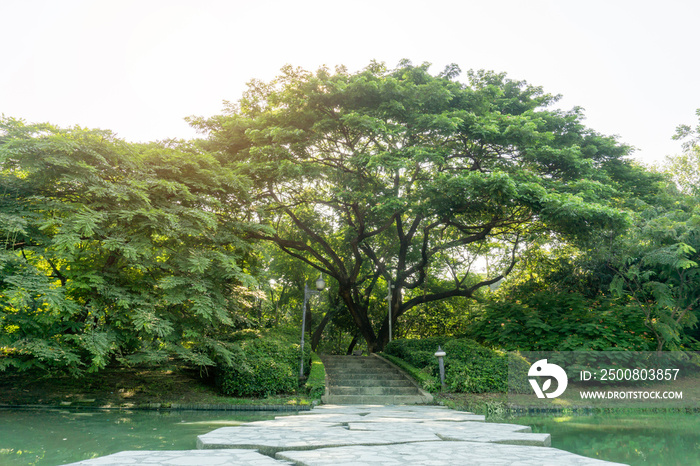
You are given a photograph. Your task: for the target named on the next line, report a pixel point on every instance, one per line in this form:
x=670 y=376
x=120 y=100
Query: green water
x=639 y=439
x=53 y=437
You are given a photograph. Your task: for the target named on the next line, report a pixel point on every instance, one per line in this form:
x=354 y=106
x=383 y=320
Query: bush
x=419 y=352
x=469 y=367
x=550 y=321
x=262 y=364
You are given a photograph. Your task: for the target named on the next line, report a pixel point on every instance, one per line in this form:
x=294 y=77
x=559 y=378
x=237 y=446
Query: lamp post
x=441 y=354
x=388 y=298
x=320 y=285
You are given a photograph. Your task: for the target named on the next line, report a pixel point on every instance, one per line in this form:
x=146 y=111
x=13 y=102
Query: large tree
x=407 y=177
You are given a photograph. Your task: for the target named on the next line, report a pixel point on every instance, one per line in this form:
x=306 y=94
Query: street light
x=320 y=285
x=388 y=298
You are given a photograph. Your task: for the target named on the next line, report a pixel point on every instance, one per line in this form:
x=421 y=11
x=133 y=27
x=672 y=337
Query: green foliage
x=316 y=383
x=429 y=382
x=400 y=175
x=469 y=367
x=684 y=169
x=448 y=317
x=114 y=251
x=561 y=321
x=418 y=352
x=659 y=271
x=262 y=364
x=574 y=362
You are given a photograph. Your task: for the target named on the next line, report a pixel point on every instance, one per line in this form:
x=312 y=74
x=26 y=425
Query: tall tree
x=400 y=175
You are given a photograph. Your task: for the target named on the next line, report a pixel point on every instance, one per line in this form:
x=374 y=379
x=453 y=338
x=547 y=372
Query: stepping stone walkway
x=356 y=435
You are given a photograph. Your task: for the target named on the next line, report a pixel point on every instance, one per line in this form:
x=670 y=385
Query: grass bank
x=129 y=388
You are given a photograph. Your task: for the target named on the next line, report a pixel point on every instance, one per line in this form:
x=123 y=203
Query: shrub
x=550 y=321
x=419 y=352
x=469 y=367
x=262 y=364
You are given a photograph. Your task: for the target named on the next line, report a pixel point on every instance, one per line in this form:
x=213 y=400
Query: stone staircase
x=369 y=380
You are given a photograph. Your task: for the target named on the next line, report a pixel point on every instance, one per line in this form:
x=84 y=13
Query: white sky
x=139 y=67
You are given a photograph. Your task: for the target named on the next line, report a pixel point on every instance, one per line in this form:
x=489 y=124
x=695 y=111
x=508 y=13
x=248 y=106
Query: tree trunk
x=354 y=341
x=359 y=315
x=316 y=336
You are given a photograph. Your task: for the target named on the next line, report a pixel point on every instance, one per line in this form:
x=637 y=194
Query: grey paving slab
x=404 y=412
x=439 y=454
x=327 y=418
x=344 y=409
x=422 y=417
x=374 y=408
x=270 y=440
x=392 y=413
x=184 y=458
x=469 y=431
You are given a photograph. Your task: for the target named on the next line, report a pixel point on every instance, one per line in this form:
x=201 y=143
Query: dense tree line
x=390 y=182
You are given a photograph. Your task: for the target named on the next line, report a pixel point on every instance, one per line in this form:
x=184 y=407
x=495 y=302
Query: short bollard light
x=441 y=354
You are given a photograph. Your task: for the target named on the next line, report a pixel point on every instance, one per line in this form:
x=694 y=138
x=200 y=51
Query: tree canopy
x=403 y=176
x=114 y=250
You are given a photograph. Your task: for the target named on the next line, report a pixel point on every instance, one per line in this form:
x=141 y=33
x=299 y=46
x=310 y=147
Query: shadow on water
x=636 y=439
x=55 y=437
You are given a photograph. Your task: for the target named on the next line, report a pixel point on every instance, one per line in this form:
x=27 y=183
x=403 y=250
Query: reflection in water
x=53 y=437
x=47 y=438
x=636 y=439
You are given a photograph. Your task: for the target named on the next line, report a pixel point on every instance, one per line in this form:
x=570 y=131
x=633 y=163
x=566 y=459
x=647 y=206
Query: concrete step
x=365 y=382
x=350 y=360
x=373 y=399
x=357 y=367
x=366 y=375
x=350 y=390
x=368 y=380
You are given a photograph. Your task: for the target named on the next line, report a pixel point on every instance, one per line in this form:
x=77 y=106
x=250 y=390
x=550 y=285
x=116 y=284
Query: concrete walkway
x=364 y=435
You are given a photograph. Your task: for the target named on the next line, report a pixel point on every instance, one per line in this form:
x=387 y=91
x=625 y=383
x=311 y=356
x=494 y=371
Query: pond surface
x=54 y=437
x=636 y=439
